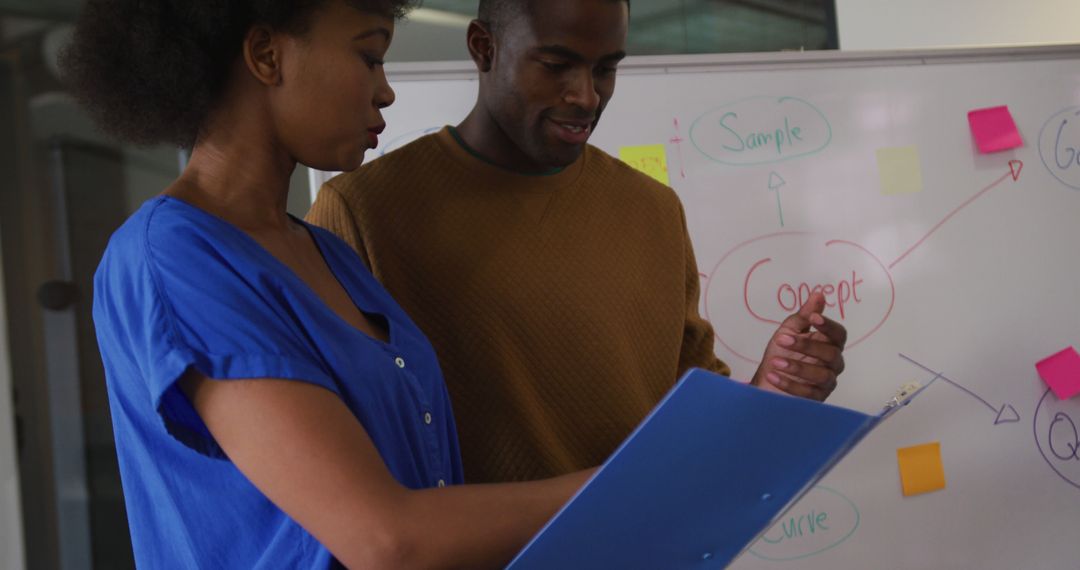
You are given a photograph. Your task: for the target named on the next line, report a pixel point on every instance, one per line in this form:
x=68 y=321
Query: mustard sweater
x=562 y=307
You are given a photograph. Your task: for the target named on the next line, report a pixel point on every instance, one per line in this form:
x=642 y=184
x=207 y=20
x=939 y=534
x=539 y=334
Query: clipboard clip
x=904 y=395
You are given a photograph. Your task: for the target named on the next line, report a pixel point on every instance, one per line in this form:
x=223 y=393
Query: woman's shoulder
x=168 y=236
x=159 y=218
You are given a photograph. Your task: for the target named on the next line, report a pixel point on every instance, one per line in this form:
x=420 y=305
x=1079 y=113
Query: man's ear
x=262 y=55
x=481 y=45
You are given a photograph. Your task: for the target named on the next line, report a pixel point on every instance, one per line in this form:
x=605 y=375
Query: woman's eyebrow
x=374 y=31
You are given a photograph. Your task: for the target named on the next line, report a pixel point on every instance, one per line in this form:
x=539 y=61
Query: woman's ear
x=481 y=45
x=262 y=55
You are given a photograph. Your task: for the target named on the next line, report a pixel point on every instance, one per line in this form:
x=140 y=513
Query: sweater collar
x=487 y=171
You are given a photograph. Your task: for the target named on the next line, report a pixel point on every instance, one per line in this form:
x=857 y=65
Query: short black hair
x=496 y=13
x=150 y=71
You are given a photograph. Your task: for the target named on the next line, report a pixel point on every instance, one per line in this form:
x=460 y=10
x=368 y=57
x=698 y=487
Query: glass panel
x=66 y=187
x=437 y=31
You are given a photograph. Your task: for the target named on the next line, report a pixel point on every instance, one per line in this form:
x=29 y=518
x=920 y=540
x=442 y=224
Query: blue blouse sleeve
x=199 y=294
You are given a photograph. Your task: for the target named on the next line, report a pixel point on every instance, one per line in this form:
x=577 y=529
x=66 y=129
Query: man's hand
x=800 y=361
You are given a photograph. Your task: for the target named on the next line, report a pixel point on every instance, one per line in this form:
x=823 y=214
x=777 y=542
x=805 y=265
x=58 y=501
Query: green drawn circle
x=824 y=145
x=829 y=547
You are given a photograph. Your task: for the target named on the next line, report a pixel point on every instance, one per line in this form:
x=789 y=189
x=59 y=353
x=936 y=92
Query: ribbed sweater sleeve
x=698 y=336
x=332 y=212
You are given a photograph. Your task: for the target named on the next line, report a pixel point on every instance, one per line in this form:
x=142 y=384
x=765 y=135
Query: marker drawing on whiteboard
x=775 y=182
x=677 y=140
x=1015 y=166
x=821 y=521
x=768 y=272
x=761 y=130
x=1005 y=414
x=1059 y=146
x=1058 y=437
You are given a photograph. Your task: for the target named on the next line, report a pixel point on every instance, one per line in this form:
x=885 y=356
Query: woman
x=272 y=406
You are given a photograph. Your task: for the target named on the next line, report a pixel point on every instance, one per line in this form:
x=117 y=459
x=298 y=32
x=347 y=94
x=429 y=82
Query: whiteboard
x=964 y=283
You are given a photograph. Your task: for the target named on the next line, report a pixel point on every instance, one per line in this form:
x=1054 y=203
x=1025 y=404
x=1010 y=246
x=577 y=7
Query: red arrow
x=1014 y=170
x=1015 y=166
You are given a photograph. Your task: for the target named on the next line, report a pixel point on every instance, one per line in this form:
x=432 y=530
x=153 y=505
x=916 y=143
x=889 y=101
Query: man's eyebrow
x=560 y=51
x=614 y=57
x=372 y=32
x=569 y=54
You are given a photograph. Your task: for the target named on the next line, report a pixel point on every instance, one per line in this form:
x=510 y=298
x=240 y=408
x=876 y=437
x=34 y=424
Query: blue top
x=179 y=288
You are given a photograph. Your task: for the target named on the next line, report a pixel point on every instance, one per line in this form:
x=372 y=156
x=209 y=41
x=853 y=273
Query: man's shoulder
x=627 y=180
x=387 y=168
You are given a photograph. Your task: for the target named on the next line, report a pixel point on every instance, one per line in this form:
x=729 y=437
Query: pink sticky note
x=994 y=129
x=1061 y=372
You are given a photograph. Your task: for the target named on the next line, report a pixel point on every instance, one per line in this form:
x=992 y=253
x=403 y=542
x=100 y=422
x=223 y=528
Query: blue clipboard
x=712 y=467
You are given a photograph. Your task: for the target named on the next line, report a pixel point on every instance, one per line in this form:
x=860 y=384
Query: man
x=557 y=284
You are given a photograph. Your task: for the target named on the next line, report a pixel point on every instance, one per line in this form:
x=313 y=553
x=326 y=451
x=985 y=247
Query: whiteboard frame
x=768 y=61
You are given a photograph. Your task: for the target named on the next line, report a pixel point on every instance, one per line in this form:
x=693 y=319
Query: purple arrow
x=1006 y=414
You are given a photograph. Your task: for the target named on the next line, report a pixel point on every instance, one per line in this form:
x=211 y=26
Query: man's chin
x=565 y=156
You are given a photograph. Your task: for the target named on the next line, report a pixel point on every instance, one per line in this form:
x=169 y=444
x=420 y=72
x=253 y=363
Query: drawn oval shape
x=820 y=521
x=1056 y=434
x=761 y=130
x=761 y=281
x=1059 y=146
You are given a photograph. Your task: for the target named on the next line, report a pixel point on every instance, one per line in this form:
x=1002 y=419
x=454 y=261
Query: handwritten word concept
x=845 y=291
x=758 y=283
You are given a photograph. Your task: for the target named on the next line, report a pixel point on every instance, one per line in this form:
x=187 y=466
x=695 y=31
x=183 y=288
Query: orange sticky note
x=920 y=468
x=650 y=159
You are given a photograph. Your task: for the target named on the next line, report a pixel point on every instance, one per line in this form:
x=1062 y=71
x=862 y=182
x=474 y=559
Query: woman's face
x=327 y=107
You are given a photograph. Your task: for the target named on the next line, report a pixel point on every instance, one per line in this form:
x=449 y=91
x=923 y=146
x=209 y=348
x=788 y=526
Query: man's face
x=553 y=73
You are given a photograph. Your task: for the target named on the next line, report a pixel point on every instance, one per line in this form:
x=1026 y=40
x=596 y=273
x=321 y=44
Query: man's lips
x=573 y=131
x=577 y=124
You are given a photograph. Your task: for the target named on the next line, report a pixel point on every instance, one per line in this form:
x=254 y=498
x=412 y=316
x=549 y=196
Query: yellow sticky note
x=920 y=468
x=900 y=170
x=650 y=159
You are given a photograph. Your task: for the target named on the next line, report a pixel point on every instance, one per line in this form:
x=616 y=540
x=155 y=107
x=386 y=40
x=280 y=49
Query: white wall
x=901 y=24
x=11 y=535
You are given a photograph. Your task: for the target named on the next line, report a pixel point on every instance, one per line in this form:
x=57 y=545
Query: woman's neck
x=239 y=172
